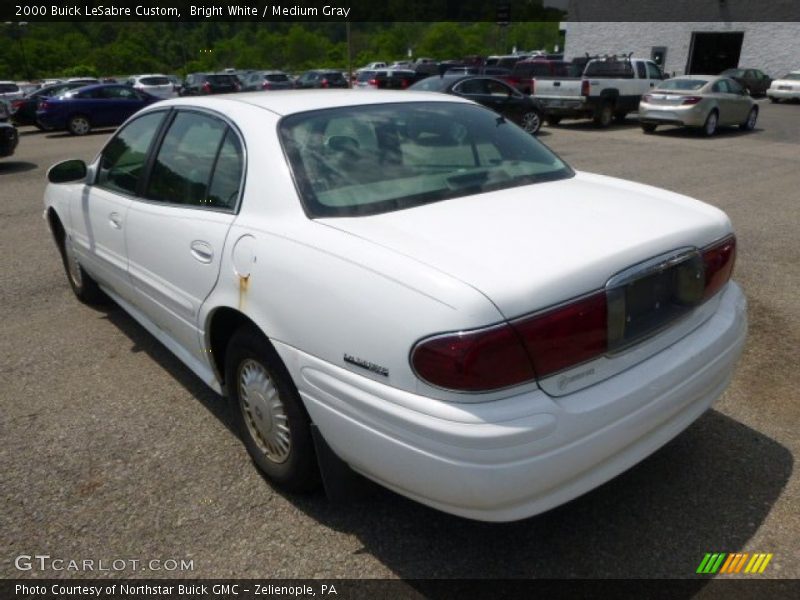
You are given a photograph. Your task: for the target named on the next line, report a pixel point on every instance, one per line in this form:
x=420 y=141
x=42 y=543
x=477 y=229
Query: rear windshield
x=792 y=76
x=276 y=77
x=365 y=75
x=682 y=84
x=364 y=160
x=155 y=81
x=5 y=88
x=224 y=79
x=336 y=75
x=617 y=69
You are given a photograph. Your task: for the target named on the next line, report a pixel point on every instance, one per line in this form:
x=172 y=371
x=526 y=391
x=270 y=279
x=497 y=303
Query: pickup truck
x=609 y=88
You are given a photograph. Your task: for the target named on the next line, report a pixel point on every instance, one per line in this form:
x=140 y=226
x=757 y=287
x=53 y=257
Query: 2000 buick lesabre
x=461 y=316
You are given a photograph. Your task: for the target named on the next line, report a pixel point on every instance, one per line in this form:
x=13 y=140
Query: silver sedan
x=704 y=101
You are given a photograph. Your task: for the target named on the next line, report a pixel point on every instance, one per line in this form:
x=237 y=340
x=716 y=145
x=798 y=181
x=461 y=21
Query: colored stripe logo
x=736 y=562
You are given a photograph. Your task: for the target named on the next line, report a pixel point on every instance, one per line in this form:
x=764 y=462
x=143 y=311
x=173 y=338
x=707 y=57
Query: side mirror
x=67 y=171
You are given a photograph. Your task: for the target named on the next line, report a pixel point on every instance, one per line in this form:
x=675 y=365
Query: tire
x=773 y=99
x=553 y=121
x=272 y=421
x=710 y=126
x=648 y=127
x=603 y=115
x=531 y=122
x=83 y=286
x=39 y=127
x=750 y=122
x=79 y=125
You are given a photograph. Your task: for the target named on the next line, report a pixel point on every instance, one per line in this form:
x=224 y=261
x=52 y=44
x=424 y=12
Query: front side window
x=122 y=160
x=182 y=171
x=653 y=72
x=363 y=160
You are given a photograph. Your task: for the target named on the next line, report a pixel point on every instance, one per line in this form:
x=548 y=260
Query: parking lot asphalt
x=111 y=449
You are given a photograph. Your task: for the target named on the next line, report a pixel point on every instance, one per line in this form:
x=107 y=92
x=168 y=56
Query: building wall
x=772 y=47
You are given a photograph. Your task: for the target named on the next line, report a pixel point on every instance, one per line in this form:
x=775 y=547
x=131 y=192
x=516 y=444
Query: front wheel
x=270 y=415
x=750 y=122
x=79 y=125
x=531 y=122
x=83 y=286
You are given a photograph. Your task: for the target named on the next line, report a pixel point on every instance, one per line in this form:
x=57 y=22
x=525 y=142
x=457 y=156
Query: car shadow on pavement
x=65 y=134
x=696 y=133
x=16 y=166
x=142 y=341
x=708 y=490
x=588 y=125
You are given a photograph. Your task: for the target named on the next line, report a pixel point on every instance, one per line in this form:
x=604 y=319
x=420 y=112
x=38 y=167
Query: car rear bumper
x=516 y=457
x=783 y=94
x=688 y=116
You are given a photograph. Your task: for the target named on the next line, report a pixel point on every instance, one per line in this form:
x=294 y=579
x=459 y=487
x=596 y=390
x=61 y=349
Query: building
x=693 y=47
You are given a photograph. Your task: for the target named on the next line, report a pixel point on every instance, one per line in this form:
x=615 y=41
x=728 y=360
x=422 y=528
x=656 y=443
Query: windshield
x=364 y=160
x=682 y=84
x=155 y=81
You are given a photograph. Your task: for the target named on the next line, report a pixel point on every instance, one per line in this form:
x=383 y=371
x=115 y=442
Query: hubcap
x=530 y=122
x=264 y=412
x=711 y=124
x=80 y=125
x=73 y=266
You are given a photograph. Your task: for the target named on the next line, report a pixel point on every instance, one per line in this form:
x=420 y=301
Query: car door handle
x=115 y=220
x=202 y=251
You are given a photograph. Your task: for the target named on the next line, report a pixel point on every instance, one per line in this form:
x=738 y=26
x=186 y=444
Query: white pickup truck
x=610 y=87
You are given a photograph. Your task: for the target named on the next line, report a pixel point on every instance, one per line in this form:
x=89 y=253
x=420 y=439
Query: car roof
x=290 y=102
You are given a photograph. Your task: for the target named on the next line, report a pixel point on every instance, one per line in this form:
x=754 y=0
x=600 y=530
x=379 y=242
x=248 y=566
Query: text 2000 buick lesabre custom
x=461 y=316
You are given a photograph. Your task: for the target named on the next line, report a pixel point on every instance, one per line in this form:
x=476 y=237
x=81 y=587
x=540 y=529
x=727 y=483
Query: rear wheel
x=603 y=115
x=553 y=120
x=648 y=127
x=531 y=122
x=773 y=99
x=750 y=122
x=272 y=420
x=620 y=116
x=79 y=125
x=710 y=126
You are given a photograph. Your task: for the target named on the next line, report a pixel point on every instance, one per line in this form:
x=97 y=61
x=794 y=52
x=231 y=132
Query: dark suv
x=321 y=78
x=201 y=84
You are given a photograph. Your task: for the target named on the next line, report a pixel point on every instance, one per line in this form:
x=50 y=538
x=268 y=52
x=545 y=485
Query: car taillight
x=324 y=83
x=266 y=85
x=586 y=87
x=718 y=261
x=513 y=80
x=403 y=84
x=373 y=82
x=17 y=104
x=207 y=87
x=567 y=335
x=647 y=98
x=473 y=361
x=691 y=100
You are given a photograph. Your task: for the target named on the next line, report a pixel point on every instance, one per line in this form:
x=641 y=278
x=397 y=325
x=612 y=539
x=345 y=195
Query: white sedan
x=785 y=88
x=412 y=282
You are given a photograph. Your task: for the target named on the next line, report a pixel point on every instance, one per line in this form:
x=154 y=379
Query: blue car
x=79 y=110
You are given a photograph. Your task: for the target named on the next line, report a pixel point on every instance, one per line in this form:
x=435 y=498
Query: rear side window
x=276 y=77
x=6 y=88
x=609 y=68
x=199 y=163
x=122 y=160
